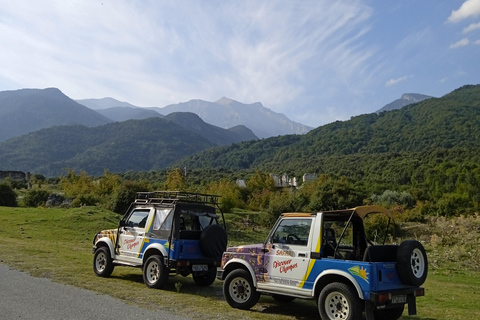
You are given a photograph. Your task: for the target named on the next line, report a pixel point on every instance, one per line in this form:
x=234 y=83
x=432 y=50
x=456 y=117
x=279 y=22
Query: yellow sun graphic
x=358 y=271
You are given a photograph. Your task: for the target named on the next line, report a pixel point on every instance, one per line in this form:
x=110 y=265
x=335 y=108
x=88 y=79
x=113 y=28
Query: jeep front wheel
x=155 y=275
x=102 y=262
x=239 y=290
x=339 y=301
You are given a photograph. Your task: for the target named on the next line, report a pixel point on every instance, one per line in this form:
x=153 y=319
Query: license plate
x=399 y=299
x=199 y=267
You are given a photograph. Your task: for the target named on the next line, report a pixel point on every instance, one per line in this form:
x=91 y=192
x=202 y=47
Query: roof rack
x=172 y=197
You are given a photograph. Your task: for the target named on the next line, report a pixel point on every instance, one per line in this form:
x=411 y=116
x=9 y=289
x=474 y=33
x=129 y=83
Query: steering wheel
x=292 y=238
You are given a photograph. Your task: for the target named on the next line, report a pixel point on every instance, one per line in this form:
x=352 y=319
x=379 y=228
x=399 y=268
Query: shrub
x=85 y=200
x=390 y=198
x=8 y=197
x=126 y=195
x=35 y=198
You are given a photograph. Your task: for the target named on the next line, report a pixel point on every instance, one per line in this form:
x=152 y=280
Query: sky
x=314 y=61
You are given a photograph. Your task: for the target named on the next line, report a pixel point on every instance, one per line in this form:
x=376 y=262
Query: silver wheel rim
x=101 y=262
x=240 y=290
x=417 y=263
x=336 y=306
x=153 y=272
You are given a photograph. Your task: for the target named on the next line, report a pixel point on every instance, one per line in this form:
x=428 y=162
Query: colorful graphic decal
x=110 y=234
x=252 y=254
x=284 y=266
x=360 y=272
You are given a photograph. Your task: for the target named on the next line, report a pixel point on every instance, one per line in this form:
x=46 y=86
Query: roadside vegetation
x=55 y=240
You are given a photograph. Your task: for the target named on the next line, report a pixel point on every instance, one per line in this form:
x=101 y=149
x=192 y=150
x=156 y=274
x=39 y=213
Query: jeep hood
x=251 y=248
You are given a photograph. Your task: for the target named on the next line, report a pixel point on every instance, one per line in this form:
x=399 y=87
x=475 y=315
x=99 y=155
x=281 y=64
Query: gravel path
x=25 y=297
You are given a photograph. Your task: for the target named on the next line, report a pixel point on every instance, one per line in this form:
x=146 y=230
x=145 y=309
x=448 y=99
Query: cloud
x=462 y=43
x=160 y=52
x=470 y=8
x=393 y=82
x=472 y=27
x=477 y=42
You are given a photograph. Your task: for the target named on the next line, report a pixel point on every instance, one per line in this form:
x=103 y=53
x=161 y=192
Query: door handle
x=302 y=255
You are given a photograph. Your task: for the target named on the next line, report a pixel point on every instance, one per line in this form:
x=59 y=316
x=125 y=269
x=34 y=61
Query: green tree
x=261 y=187
x=8 y=197
x=176 y=180
x=126 y=194
x=231 y=196
x=35 y=198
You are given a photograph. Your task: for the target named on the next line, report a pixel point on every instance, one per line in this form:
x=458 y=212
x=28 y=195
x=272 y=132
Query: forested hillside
x=452 y=121
x=139 y=145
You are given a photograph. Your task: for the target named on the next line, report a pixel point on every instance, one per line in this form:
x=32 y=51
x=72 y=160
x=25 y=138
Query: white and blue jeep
x=165 y=232
x=326 y=256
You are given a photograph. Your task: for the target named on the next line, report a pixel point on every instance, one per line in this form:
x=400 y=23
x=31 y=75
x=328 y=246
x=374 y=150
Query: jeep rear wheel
x=239 y=291
x=389 y=314
x=412 y=263
x=339 y=301
x=155 y=275
x=102 y=262
x=206 y=279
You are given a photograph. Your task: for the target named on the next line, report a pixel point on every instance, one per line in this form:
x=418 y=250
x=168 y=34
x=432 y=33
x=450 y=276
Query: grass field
x=56 y=244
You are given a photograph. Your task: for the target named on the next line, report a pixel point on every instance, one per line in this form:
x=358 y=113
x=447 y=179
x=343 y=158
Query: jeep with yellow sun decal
x=165 y=232
x=326 y=256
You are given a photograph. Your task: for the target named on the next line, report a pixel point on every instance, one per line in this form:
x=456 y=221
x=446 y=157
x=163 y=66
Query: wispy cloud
x=393 y=82
x=462 y=43
x=470 y=8
x=472 y=27
x=156 y=53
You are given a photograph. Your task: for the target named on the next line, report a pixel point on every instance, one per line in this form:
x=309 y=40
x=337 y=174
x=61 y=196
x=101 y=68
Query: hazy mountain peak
x=405 y=100
x=104 y=103
x=227 y=113
x=224 y=101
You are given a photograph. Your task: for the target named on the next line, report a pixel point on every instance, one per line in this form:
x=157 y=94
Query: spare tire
x=213 y=241
x=412 y=263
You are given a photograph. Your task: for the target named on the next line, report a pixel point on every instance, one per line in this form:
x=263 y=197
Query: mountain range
x=227 y=113
x=161 y=141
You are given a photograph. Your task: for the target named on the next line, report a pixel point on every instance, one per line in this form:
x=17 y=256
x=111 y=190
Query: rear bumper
x=394 y=299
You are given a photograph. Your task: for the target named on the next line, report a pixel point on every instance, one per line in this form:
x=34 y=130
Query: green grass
x=56 y=244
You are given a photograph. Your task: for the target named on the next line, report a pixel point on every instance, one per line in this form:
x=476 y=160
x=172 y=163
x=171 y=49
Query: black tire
x=155 y=275
x=412 y=263
x=207 y=279
x=339 y=301
x=282 y=298
x=389 y=314
x=239 y=291
x=213 y=241
x=102 y=262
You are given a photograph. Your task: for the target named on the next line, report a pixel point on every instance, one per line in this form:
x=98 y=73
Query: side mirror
x=122 y=223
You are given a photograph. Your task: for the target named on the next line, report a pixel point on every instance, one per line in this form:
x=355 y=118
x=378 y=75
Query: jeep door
x=288 y=253
x=132 y=234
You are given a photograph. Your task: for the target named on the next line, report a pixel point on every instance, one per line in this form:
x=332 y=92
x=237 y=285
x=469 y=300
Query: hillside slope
x=438 y=123
x=139 y=145
x=216 y=135
x=27 y=110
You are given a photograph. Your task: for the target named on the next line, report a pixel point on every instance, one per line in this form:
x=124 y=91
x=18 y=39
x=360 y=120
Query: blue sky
x=315 y=61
